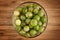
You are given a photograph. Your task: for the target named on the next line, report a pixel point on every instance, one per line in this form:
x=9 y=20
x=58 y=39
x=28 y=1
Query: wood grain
x=7 y=31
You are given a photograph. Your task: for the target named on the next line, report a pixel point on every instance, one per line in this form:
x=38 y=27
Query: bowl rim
x=34 y=3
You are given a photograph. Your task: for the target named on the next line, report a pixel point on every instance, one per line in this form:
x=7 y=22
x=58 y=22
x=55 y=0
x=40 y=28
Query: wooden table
x=7 y=31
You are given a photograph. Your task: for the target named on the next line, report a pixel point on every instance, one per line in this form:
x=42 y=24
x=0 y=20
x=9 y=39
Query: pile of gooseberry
x=30 y=20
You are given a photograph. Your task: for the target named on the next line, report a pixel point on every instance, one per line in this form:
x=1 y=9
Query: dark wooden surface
x=7 y=31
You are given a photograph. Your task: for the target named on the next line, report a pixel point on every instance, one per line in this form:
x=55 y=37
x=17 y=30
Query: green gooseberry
x=24 y=10
x=33 y=22
x=43 y=19
x=29 y=14
x=18 y=22
x=36 y=27
x=33 y=32
x=22 y=17
x=41 y=12
x=41 y=29
x=16 y=13
x=28 y=21
x=26 y=28
x=18 y=28
x=39 y=23
x=37 y=17
x=22 y=32
x=27 y=35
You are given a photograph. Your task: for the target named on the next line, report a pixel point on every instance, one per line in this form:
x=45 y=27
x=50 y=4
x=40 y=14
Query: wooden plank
x=7 y=31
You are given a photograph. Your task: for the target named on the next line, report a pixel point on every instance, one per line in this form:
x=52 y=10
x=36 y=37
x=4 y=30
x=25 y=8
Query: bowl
x=20 y=29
